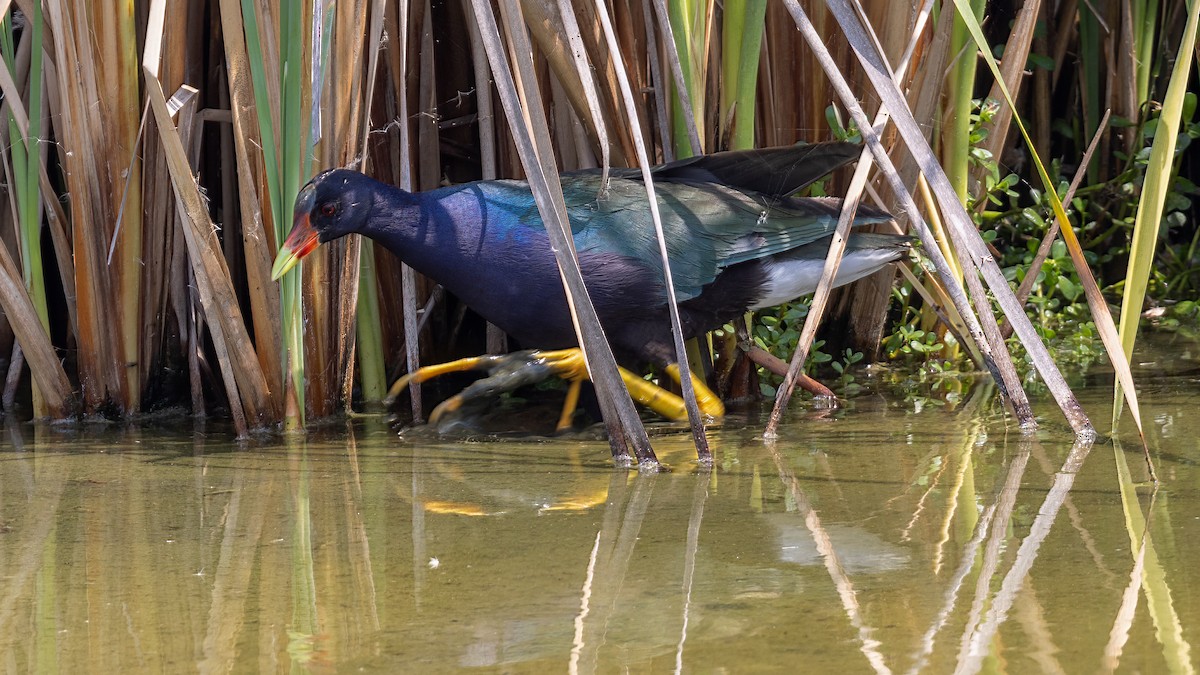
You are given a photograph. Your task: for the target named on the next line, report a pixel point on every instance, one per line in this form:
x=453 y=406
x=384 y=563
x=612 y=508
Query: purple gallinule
x=736 y=241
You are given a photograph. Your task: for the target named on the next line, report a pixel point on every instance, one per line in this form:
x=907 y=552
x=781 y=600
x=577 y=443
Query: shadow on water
x=889 y=537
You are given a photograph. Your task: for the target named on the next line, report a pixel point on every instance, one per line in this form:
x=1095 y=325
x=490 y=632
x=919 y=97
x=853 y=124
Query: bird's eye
x=329 y=209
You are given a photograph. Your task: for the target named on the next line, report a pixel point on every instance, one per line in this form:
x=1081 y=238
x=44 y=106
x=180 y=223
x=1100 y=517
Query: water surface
x=893 y=535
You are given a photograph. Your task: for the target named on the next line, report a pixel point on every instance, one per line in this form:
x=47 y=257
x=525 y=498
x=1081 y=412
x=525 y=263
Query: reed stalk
x=687 y=31
x=26 y=169
x=1145 y=21
x=1157 y=185
x=1091 y=65
x=741 y=35
x=956 y=131
x=285 y=141
x=98 y=132
x=370 y=356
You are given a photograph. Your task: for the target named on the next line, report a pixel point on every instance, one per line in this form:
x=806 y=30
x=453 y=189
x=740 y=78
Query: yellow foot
x=448 y=406
x=426 y=373
x=508 y=372
x=710 y=404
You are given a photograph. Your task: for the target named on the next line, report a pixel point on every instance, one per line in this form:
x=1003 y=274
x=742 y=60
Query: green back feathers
x=707 y=227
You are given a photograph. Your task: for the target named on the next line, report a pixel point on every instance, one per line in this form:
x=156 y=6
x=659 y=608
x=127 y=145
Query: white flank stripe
x=790 y=279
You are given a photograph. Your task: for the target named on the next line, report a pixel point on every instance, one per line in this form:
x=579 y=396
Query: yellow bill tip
x=302 y=241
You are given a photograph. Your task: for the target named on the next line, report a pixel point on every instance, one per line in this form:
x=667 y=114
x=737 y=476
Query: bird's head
x=333 y=204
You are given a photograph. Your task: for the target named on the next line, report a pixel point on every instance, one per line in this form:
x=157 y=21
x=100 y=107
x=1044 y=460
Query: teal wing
x=707 y=226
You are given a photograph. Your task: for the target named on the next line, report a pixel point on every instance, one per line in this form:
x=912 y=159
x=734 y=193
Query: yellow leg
x=569 y=405
x=654 y=397
x=565 y=363
x=426 y=373
x=710 y=403
x=449 y=405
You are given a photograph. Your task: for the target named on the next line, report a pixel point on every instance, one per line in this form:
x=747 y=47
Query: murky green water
x=887 y=536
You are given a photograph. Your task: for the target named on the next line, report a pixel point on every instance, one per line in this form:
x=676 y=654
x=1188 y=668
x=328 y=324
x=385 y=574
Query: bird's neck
x=439 y=233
